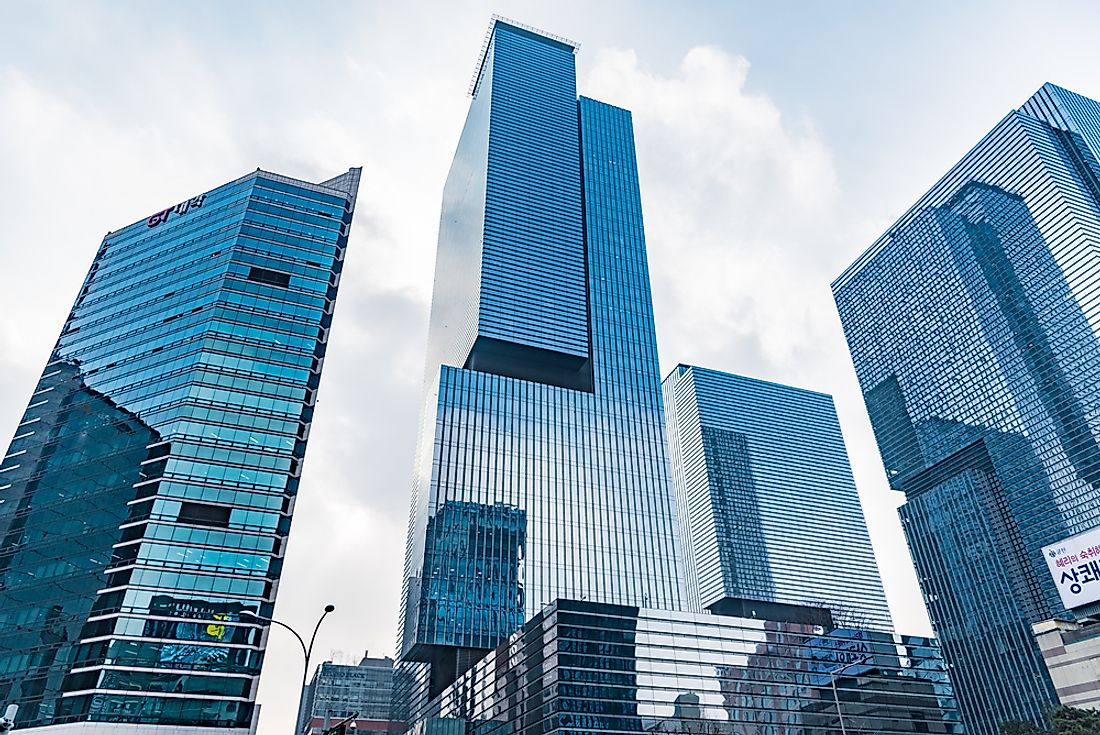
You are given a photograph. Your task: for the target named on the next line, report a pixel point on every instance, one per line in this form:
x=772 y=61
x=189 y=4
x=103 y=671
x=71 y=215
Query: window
x=270 y=277
x=202 y=514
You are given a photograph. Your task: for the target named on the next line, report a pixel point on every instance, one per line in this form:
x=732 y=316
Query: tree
x=1073 y=721
x=1019 y=727
x=1064 y=721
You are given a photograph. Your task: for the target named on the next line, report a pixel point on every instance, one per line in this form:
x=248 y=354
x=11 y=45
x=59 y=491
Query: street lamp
x=7 y=722
x=307 y=651
x=832 y=682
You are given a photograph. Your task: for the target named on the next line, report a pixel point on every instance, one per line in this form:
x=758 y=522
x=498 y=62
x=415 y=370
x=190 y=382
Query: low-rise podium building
x=584 y=667
x=1071 y=652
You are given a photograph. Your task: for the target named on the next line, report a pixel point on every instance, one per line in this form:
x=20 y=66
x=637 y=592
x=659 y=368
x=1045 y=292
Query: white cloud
x=112 y=112
x=736 y=203
x=745 y=231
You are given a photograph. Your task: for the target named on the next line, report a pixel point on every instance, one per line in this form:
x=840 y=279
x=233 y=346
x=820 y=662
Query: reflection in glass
x=146 y=496
x=473 y=591
x=581 y=667
x=973 y=328
x=74 y=477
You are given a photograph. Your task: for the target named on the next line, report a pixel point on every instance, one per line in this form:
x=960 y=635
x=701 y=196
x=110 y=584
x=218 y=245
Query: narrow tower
x=542 y=470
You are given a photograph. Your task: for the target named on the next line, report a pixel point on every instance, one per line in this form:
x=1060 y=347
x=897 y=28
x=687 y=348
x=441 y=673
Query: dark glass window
x=270 y=277
x=204 y=515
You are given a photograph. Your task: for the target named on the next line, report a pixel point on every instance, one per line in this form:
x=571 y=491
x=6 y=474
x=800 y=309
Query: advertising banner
x=1075 y=566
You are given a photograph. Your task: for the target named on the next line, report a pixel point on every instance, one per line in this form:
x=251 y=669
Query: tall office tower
x=973 y=327
x=767 y=502
x=146 y=497
x=340 y=691
x=541 y=470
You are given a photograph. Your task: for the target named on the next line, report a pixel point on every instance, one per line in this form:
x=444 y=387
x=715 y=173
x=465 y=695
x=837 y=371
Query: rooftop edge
x=495 y=20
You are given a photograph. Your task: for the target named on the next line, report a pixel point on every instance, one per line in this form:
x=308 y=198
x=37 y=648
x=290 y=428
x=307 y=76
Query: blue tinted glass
x=972 y=325
x=767 y=499
x=147 y=491
x=542 y=469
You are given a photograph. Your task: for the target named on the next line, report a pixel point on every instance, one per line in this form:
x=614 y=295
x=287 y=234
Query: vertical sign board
x=1075 y=566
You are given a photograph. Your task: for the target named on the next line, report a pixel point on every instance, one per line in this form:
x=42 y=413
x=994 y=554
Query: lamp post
x=832 y=682
x=7 y=722
x=307 y=651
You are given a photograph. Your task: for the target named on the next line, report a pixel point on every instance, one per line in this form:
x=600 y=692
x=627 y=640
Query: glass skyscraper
x=146 y=497
x=542 y=471
x=767 y=502
x=973 y=327
x=338 y=691
x=543 y=588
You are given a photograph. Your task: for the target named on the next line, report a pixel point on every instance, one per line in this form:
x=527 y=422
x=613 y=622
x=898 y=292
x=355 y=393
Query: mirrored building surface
x=339 y=691
x=973 y=325
x=768 y=506
x=542 y=469
x=146 y=497
x=582 y=667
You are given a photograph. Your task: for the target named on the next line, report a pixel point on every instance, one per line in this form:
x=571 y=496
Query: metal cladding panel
x=770 y=508
x=974 y=320
x=533 y=285
x=456 y=295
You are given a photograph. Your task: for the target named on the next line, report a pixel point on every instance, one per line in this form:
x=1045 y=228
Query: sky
x=776 y=141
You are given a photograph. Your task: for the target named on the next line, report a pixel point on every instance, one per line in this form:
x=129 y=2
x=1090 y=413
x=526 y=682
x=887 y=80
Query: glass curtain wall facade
x=146 y=497
x=973 y=327
x=339 y=691
x=766 y=498
x=541 y=469
x=581 y=668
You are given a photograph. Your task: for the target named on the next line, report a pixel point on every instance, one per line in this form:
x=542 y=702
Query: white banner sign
x=1075 y=566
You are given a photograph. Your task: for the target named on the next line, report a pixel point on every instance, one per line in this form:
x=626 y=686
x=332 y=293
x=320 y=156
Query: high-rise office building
x=146 y=497
x=339 y=691
x=973 y=327
x=543 y=589
x=766 y=499
x=541 y=471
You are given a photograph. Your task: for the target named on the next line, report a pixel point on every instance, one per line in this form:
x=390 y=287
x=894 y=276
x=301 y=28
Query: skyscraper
x=973 y=325
x=769 y=509
x=542 y=469
x=146 y=497
x=543 y=590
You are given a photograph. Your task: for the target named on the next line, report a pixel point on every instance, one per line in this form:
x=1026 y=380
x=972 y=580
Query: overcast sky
x=776 y=141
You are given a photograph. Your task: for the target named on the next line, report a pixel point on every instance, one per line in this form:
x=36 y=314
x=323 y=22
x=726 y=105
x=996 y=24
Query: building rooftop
x=501 y=20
